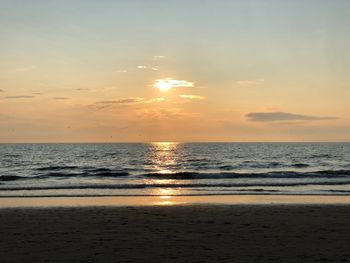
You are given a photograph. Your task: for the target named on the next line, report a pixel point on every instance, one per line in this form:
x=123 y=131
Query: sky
x=174 y=70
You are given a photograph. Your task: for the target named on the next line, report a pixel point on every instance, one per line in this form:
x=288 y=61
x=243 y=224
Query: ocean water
x=174 y=169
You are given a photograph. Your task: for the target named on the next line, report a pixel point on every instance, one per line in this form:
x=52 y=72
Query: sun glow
x=168 y=83
x=163 y=85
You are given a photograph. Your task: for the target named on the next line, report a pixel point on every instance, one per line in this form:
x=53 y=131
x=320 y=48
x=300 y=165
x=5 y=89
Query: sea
x=171 y=169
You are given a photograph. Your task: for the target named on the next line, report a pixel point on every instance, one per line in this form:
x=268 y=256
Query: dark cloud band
x=20 y=97
x=283 y=116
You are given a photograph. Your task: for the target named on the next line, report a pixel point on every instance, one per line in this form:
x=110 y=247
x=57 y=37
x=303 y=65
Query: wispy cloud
x=121 y=71
x=106 y=102
x=249 y=83
x=121 y=101
x=191 y=97
x=283 y=116
x=1 y=90
x=82 y=89
x=160 y=99
x=131 y=101
x=158 y=57
x=164 y=113
x=60 y=98
x=154 y=68
x=168 y=83
x=20 y=97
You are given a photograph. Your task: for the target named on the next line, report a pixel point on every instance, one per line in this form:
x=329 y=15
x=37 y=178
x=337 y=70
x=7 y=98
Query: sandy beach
x=174 y=131
x=180 y=233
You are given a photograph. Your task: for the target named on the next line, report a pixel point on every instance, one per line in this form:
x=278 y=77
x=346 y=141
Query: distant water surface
x=174 y=169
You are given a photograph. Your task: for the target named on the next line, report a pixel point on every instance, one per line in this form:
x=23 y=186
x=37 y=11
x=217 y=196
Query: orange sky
x=126 y=71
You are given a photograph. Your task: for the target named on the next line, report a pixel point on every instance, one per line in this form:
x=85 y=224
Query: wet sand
x=180 y=233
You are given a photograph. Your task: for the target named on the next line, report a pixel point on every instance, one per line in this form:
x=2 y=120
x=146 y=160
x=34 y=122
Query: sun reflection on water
x=164 y=156
x=165 y=196
x=165 y=161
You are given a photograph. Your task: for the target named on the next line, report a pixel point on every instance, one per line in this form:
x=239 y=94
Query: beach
x=175 y=202
x=178 y=233
x=182 y=131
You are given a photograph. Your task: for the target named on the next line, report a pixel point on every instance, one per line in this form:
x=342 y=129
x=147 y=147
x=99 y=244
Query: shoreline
x=120 y=201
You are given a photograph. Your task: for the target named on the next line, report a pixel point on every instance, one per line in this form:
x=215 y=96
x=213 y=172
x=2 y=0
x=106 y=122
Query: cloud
x=191 y=97
x=1 y=90
x=157 y=114
x=82 y=89
x=159 y=57
x=131 y=101
x=106 y=102
x=249 y=83
x=160 y=99
x=154 y=68
x=283 y=116
x=60 y=98
x=168 y=83
x=20 y=97
x=121 y=101
x=121 y=71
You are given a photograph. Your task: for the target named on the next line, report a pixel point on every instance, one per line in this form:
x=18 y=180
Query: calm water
x=174 y=169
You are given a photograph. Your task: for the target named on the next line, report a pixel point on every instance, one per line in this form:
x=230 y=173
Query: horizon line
x=180 y=142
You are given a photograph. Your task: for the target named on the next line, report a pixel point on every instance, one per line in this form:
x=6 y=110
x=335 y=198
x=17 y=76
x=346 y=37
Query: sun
x=163 y=84
x=169 y=83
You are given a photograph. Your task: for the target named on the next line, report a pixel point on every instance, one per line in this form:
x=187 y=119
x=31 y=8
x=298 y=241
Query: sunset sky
x=174 y=70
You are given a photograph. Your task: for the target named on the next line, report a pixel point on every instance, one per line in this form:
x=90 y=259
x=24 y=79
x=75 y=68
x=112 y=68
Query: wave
x=300 y=165
x=232 y=175
x=110 y=173
x=55 y=168
x=237 y=193
x=318 y=156
x=334 y=172
x=195 y=164
x=250 y=164
x=83 y=174
x=12 y=155
x=190 y=185
x=10 y=177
